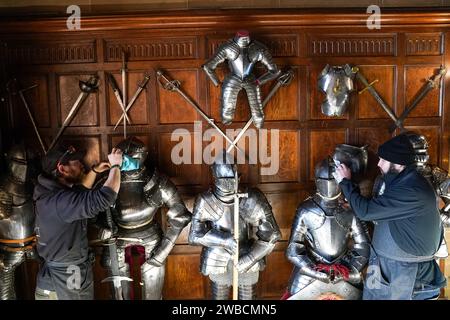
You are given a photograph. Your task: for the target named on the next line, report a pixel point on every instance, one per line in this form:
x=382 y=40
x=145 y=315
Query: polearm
x=237 y=195
x=141 y=87
x=432 y=83
x=375 y=94
x=174 y=86
x=283 y=80
x=86 y=88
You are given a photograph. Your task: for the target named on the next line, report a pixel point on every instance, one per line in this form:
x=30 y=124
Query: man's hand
x=244 y=263
x=115 y=157
x=342 y=171
x=101 y=167
x=230 y=245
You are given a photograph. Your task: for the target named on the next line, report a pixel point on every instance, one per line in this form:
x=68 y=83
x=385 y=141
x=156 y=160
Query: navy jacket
x=61 y=218
x=408 y=204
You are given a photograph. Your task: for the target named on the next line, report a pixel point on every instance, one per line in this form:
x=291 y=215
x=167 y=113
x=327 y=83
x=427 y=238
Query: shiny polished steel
x=16 y=218
x=242 y=55
x=321 y=234
x=337 y=83
x=141 y=194
x=212 y=228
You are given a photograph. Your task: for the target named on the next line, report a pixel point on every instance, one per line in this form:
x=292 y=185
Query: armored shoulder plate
x=207 y=207
x=231 y=49
x=257 y=50
x=159 y=189
x=310 y=214
x=255 y=207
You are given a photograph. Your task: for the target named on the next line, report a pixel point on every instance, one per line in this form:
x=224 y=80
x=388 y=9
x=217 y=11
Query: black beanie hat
x=397 y=150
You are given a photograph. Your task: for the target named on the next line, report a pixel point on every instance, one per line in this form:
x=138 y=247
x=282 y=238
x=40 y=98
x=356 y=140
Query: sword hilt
x=286 y=78
x=434 y=80
x=171 y=85
x=89 y=86
x=144 y=81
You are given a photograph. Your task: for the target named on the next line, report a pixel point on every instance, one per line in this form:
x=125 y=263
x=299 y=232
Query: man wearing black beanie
x=408 y=229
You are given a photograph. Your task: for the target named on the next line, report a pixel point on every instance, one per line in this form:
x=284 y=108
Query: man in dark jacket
x=407 y=231
x=63 y=206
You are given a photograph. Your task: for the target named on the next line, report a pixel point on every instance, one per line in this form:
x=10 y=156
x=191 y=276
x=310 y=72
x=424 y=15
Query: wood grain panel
x=373 y=137
x=322 y=144
x=367 y=106
x=69 y=91
x=288 y=160
x=183 y=278
x=139 y=111
x=280 y=105
x=317 y=97
x=275 y=277
x=416 y=77
x=180 y=174
x=284 y=206
x=37 y=100
x=172 y=107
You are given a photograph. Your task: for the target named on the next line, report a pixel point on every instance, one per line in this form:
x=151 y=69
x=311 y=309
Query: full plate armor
x=141 y=194
x=242 y=54
x=16 y=219
x=328 y=244
x=212 y=228
x=337 y=83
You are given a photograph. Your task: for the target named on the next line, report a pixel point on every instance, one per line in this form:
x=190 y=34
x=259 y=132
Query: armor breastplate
x=132 y=209
x=226 y=221
x=329 y=241
x=20 y=223
x=242 y=66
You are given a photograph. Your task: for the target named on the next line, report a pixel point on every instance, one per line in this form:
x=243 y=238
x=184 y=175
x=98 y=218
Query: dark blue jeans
x=389 y=279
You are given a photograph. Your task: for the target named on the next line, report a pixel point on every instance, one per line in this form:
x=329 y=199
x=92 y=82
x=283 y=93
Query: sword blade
x=130 y=104
x=30 y=115
x=69 y=118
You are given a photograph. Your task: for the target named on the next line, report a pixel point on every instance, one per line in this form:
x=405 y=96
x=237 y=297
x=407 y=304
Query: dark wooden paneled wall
x=409 y=48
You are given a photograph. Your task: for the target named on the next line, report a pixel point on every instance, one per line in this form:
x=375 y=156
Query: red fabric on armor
x=338 y=269
x=140 y=250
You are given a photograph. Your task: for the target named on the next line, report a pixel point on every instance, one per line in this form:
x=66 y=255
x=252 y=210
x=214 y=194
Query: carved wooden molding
x=279 y=45
x=424 y=44
x=49 y=52
x=228 y=19
x=151 y=49
x=352 y=45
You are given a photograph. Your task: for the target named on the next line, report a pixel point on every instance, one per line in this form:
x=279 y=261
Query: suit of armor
x=141 y=194
x=16 y=220
x=325 y=264
x=212 y=228
x=242 y=55
x=337 y=83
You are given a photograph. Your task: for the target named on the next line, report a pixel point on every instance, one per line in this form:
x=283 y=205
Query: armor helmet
x=134 y=148
x=337 y=83
x=355 y=158
x=223 y=170
x=242 y=38
x=17 y=159
x=420 y=146
x=326 y=185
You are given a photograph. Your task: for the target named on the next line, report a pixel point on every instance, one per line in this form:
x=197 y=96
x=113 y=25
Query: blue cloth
x=129 y=164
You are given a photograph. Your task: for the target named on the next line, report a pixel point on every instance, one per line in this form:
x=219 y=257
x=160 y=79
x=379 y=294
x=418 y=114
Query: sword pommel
x=89 y=86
